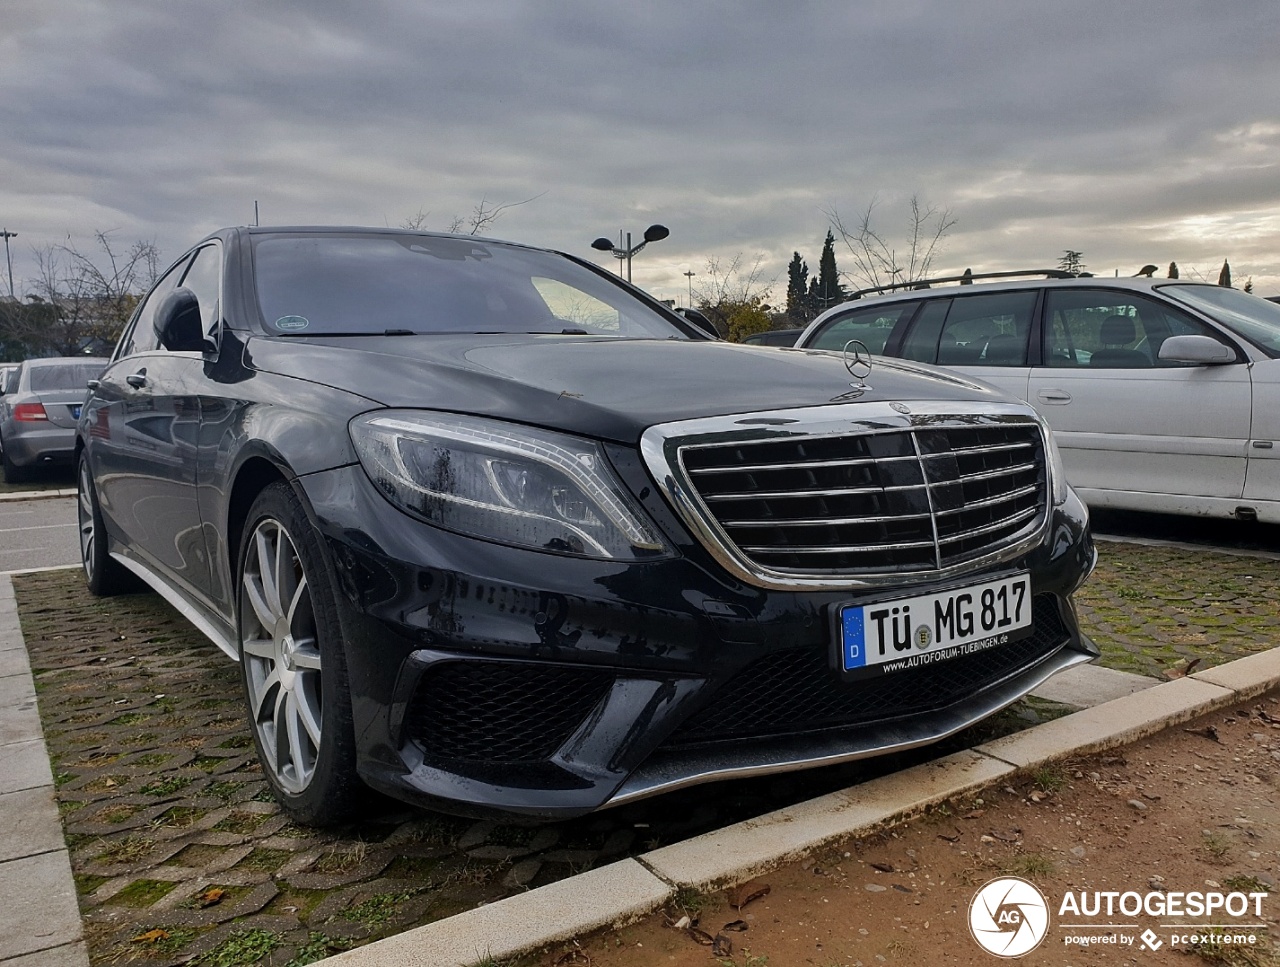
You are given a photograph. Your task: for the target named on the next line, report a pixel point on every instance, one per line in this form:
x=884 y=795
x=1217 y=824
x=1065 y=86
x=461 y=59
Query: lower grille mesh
x=501 y=712
x=795 y=691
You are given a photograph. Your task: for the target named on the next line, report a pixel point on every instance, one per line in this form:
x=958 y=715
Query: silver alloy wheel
x=282 y=656
x=84 y=515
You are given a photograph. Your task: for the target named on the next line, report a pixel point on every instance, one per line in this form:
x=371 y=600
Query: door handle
x=137 y=380
x=1053 y=396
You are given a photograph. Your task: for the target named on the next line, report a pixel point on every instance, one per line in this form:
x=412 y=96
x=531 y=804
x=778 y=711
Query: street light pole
x=8 y=235
x=654 y=233
x=689 y=275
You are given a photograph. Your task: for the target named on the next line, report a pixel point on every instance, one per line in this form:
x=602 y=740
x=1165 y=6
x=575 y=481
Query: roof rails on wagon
x=966 y=278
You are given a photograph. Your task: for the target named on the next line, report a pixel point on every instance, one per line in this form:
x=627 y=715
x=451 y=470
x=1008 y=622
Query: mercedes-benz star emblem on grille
x=857 y=360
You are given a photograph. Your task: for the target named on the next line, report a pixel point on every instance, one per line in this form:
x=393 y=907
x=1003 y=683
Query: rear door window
x=987 y=330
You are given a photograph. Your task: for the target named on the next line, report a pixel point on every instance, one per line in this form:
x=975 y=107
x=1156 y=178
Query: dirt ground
x=1191 y=809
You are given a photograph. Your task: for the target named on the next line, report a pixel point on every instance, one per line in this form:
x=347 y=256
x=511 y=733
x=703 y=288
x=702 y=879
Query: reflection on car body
x=488 y=529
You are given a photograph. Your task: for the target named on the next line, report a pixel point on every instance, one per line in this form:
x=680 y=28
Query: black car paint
x=272 y=406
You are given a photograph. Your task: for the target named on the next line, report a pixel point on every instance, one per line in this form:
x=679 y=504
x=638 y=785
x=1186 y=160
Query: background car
x=39 y=412
x=490 y=530
x=1163 y=395
x=773 y=337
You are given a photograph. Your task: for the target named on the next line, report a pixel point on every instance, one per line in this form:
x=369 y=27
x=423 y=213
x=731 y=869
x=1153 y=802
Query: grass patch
x=152 y=759
x=242 y=949
x=242 y=823
x=263 y=861
x=1049 y=778
x=165 y=940
x=180 y=817
x=318 y=947
x=1241 y=883
x=86 y=882
x=1028 y=865
x=341 y=859
x=142 y=893
x=127 y=850
x=224 y=790
x=166 y=786
x=236 y=742
x=1216 y=844
x=380 y=909
x=411 y=868
x=691 y=902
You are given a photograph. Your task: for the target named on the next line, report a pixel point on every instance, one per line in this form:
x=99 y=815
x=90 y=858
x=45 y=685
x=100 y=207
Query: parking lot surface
x=179 y=851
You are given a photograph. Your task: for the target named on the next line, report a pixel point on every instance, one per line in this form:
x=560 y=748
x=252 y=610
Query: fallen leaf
x=882 y=867
x=722 y=946
x=737 y=926
x=1208 y=732
x=951 y=839
x=744 y=894
x=212 y=897
x=701 y=936
x=151 y=936
x=1037 y=796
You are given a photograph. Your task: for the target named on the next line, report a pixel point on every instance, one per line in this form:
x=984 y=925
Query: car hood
x=611 y=389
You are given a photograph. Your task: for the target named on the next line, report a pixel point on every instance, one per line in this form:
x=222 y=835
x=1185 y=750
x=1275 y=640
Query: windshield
x=1256 y=320
x=311 y=285
x=69 y=376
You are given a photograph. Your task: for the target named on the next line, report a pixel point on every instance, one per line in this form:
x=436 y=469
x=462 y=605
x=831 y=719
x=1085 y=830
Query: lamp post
x=654 y=233
x=689 y=275
x=8 y=235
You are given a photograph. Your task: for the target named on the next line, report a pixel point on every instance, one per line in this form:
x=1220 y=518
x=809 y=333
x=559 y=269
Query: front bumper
x=486 y=678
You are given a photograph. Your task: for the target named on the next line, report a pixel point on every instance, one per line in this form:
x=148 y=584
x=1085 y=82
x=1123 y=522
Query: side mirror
x=178 y=324
x=1198 y=350
x=699 y=320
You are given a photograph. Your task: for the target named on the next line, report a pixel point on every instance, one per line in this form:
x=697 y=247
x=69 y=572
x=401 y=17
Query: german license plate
x=915 y=632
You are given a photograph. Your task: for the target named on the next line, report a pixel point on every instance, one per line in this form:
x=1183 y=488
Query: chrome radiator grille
x=918 y=499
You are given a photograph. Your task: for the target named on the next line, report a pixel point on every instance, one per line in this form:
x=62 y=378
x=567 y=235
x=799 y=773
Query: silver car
x=39 y=411
x=1163 y=395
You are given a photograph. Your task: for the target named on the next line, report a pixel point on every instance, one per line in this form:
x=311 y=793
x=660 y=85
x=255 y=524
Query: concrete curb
x=39 y=915
x=630 y=889
x=38 y=494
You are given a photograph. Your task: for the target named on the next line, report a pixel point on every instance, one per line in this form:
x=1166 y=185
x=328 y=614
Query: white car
x=1164 y=395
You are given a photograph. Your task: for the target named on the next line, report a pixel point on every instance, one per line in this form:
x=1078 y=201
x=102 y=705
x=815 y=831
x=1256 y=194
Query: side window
x=987 y=330
x=921 y=343
x=140 y=337
x=1112 y=329
x=204 y=278
x=872 y=326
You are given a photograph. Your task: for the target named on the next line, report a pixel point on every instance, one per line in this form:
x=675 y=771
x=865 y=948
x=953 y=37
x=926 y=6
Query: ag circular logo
x=1008 y=917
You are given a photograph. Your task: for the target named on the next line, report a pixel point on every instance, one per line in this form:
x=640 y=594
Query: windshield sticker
x=292 y=323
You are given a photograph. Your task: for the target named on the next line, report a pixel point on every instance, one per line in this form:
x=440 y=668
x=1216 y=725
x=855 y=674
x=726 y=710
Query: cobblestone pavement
x=1155 y=609
x=181 y=855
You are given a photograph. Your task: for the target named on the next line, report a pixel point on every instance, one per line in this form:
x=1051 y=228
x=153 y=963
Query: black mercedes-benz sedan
x=488 y=529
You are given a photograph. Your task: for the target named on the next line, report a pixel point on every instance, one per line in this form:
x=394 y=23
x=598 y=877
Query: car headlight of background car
x=512 y=484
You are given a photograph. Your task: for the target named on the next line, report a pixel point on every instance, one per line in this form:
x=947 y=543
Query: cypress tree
x=1224 y=277
x=830 y=291
x=798 y=290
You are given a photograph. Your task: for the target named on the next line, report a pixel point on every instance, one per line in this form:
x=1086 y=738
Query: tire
x=12 y=472
x=104 y=575
x=293 y=664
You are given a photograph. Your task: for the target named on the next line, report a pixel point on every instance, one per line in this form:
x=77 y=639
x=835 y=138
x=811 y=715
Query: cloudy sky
x=1134 y=132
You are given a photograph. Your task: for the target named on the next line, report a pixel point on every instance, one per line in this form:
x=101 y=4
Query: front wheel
x=292 y=661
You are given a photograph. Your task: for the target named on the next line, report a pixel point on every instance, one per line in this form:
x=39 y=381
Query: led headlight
x=506 y=483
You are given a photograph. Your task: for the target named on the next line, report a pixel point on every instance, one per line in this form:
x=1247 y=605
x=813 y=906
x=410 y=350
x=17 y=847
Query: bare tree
x=477 y=222
x=80 y=301
x=735 y=297
x=878 y=260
